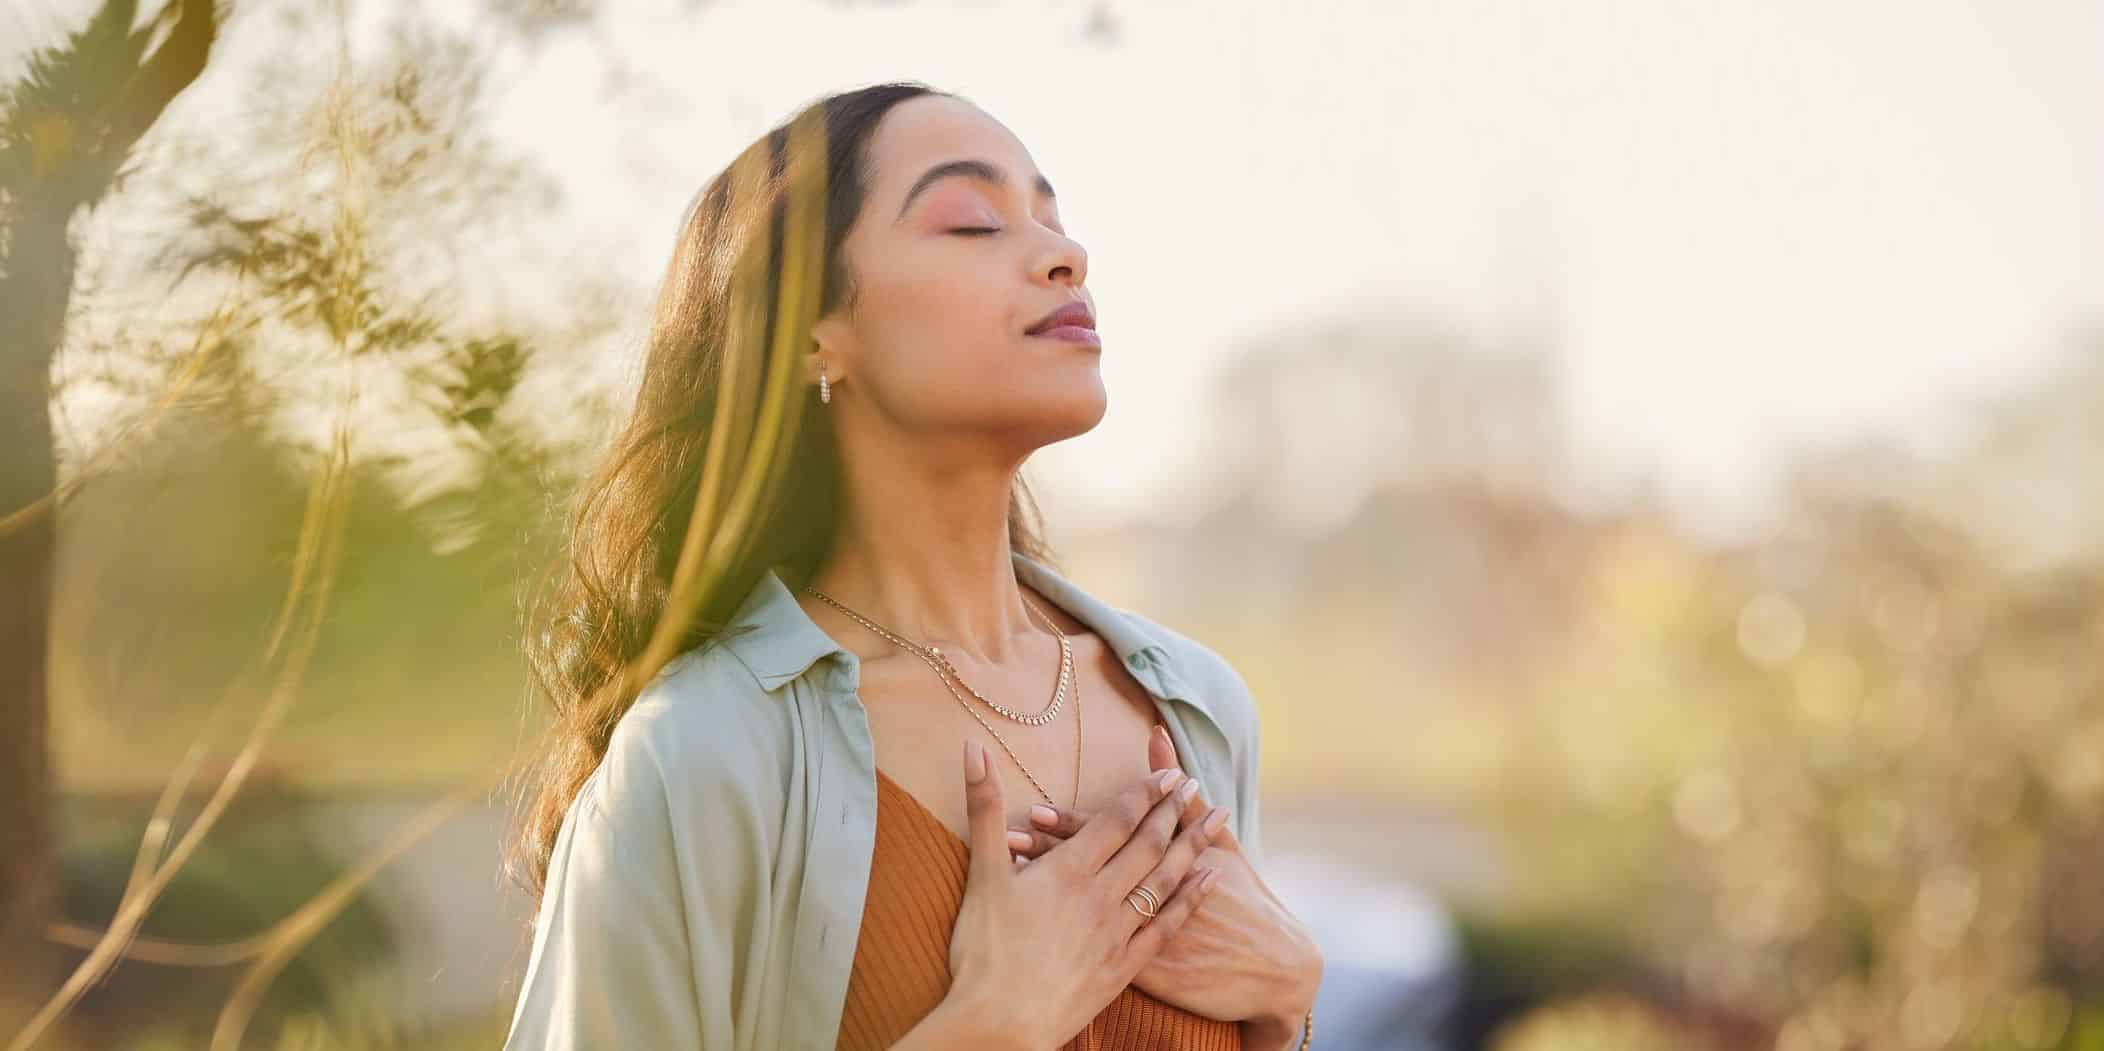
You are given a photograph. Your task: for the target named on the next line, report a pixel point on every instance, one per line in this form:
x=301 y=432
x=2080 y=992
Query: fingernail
x=974 y=762
x=1018 y=840
x=1043 y=815
x=1166 y=780
x=1212 y=876
x=1214 y=820
x=1189 y=789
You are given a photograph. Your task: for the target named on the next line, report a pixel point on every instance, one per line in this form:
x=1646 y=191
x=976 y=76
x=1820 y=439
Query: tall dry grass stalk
x=758 y=406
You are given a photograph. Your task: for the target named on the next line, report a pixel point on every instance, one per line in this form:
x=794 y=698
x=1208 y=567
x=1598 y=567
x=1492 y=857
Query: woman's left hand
x=1242 y=957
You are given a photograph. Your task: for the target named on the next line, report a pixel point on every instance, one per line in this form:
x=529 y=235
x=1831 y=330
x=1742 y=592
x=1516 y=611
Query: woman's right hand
x=1038 y=950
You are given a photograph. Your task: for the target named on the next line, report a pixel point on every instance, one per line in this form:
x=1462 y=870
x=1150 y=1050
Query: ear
x=828 y=344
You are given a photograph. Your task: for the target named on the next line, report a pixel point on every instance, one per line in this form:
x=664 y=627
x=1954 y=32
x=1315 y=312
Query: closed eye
x=976 y=230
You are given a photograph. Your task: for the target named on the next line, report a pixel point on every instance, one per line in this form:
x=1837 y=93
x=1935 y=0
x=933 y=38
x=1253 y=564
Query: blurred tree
x=356 y=302
x=341 y=233
x=67 y=128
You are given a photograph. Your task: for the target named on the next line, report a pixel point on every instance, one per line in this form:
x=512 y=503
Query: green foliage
x=1840 y=781
x=69 y=122
x=48 y=116
x=265 y=860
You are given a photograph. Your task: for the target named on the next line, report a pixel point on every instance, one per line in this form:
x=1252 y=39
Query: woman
x=811 y=826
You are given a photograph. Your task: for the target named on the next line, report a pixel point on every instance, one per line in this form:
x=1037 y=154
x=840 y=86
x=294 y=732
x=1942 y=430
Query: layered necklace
x=947 y=672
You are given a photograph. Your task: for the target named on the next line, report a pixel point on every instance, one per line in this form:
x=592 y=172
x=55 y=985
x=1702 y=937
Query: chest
x=1092 y=750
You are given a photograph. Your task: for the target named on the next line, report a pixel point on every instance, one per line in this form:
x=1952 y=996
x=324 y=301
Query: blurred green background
x=1832 y=781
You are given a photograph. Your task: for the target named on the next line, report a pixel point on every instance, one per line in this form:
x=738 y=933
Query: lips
x=1075 y=314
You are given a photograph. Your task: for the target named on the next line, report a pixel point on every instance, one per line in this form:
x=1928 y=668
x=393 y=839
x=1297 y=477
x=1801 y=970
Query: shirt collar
x=779 y=641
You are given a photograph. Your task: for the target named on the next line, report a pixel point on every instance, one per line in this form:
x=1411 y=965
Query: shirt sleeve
x=614 y=953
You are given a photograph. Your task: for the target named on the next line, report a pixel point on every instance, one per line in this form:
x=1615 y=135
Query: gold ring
x=1136 y=907
x=1154 y=904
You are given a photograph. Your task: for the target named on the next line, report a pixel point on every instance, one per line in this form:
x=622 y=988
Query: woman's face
x=952 y=273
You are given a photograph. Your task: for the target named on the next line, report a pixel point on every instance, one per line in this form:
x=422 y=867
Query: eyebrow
x=970 y=169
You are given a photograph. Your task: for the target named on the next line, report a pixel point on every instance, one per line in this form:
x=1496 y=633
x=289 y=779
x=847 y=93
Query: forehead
x=922 y=131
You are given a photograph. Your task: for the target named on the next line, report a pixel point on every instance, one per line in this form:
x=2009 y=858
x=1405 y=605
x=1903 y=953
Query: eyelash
x=976 y=231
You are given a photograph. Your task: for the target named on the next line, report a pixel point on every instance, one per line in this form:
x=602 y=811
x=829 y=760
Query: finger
x=1109 y=828
x=1224 y=838
x=1058 y=821
x=1179 y=859
x=1161 y=755
x=1195 y=808
x=1147 y=941
x=1031 y=843
x=1161 y=752
x=1198 y=809
x=1151 y=841
x=983 y=813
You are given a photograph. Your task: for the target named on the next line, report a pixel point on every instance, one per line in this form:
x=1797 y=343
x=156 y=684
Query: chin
x=1052 y=410
x=1077 y=415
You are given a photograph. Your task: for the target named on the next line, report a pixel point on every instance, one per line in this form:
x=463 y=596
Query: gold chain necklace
x=933 y=655
x=945 y=671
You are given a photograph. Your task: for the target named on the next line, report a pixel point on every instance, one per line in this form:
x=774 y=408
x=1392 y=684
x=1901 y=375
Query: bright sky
x=1758 y=223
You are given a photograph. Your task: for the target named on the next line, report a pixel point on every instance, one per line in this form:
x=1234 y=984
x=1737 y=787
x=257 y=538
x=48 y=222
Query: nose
x=1065 y=260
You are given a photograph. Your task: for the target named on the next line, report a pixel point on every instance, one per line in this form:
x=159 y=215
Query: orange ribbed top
x=902 y=958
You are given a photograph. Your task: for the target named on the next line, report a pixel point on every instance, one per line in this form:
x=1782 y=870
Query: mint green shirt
x=706 y=887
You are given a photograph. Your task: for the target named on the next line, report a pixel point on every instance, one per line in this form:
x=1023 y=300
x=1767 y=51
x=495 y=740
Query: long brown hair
x=731 y=308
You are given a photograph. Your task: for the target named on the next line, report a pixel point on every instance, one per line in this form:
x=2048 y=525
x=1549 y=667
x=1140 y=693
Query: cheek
x=929 y=355
x=954 y=319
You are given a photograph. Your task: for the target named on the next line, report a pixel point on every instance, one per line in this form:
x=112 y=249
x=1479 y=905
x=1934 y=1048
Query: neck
x=925 y=552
